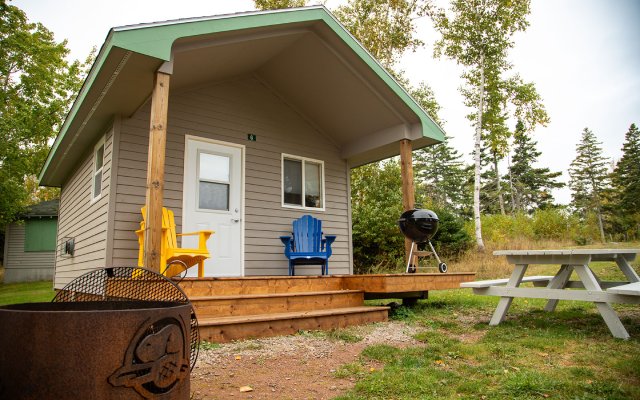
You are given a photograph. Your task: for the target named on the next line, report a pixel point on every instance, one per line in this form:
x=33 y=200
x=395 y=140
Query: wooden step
x=259 y=285
x=226 y=329
x=235 y=305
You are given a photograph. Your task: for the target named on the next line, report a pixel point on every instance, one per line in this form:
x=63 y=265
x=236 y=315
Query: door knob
x=235 y=219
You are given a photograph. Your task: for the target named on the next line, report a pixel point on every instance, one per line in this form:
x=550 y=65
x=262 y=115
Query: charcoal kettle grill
x=420 y=225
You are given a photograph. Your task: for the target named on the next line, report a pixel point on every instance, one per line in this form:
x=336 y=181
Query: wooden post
x=155 y=171
x=408 y=191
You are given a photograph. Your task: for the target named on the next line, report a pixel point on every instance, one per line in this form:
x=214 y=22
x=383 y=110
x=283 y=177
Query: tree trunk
x=478 y=143
x=600 y=225
x=596 y=197
x=513 y=198
x=498 y=185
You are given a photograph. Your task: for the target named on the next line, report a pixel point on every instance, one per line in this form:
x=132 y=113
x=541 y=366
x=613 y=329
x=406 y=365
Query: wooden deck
x=239 y=308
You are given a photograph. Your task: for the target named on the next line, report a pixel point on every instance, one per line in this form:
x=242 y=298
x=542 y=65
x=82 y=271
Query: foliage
x=384 y=27
x=478 y=34
x=376 y=203
x=451 y=240
x=37 y=86
x=440 y=175
x=548 y=224
x=277 y=4
x=589 y=178
x=626 y=185
x=530 y=187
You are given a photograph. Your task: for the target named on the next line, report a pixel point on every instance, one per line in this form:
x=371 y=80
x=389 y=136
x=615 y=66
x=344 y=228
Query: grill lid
x=419 y=225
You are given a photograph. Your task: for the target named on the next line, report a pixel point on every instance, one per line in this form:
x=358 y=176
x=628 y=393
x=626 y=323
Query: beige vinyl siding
x=24 y=266
x=83 y=219
x=227 y=112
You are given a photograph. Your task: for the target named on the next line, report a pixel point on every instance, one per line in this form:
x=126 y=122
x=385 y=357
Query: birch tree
x=478 y=34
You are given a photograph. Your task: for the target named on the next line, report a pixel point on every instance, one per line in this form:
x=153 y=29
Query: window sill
x=295 y=207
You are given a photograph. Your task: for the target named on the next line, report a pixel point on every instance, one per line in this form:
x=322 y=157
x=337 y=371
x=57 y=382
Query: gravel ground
x=290 y=367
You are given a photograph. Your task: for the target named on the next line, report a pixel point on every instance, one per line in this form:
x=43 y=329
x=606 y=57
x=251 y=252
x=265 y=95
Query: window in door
x=302 y=182
x=213 y=181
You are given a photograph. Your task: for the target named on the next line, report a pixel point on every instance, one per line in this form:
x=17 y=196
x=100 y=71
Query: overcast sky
x=583 y=55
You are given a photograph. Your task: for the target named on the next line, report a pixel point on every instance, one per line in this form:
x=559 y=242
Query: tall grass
x=544 y=229
x=488 y=266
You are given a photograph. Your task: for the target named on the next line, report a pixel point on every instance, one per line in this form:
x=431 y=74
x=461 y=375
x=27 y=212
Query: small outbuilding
x=256 y=119
x=30 y=244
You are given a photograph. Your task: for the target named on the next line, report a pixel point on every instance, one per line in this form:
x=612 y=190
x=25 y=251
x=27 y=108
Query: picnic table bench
x=553 y=288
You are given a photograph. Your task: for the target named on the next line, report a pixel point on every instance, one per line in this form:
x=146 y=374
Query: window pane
x=312 y=188
x=99 y=157
x=213 y=196
x=97 y=184
x=214 y=167
x=293 y=182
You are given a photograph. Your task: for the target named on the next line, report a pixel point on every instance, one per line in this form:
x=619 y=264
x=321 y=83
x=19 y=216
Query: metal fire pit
x=130 y=283
x=420 y=225
x=95 y=350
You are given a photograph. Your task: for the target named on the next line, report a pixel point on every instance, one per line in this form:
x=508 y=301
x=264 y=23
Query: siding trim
x=303 y=161
x=349 y=220
x=101 y=143
x=111 y=207
x=243 y=200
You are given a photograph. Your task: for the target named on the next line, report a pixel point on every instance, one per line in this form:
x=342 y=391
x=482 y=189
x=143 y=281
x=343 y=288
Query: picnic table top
x=565 y=252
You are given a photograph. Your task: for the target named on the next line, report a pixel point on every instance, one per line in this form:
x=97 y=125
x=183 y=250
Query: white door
x=213 y=200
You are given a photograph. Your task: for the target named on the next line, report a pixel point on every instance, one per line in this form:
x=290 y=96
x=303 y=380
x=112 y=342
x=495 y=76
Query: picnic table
x=553 y=288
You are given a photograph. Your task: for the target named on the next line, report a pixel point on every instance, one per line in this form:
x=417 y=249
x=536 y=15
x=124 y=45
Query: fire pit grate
x=127 y=284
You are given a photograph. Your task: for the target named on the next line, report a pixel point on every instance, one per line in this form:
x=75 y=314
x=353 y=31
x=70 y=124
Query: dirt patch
x=305 y=366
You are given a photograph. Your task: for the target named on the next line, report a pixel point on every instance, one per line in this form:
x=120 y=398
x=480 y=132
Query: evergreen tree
x=530 y=187
x=441 y=177
x=589 y=178
x=491 y=201
x=439 y=173
x=626 y=183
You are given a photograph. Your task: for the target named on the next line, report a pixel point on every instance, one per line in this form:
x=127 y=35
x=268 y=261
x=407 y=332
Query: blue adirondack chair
x=306 y=246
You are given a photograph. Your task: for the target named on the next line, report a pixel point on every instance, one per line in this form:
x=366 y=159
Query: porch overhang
x=303 y=55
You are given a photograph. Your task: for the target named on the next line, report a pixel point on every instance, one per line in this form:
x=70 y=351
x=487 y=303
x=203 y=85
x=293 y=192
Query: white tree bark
x=478 y=143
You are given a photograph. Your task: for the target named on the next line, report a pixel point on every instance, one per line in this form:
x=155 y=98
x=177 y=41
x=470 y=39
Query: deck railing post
x=155 y=171
x=408 y=191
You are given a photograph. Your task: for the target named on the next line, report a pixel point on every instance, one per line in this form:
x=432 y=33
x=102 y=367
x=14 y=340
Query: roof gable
x=121 y=80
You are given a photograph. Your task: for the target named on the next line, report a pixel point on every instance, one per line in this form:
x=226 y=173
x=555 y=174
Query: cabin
x=30 y=244
x=266 y=113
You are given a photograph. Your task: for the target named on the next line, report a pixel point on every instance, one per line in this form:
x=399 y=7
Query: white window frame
x=96 y=196
x=303 y=160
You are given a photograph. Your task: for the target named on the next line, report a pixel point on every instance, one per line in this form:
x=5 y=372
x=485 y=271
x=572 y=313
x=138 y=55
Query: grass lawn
x=29 y=292
x=568 y=354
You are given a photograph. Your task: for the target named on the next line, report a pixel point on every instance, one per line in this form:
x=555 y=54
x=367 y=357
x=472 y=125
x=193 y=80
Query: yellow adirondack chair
x=173 y=258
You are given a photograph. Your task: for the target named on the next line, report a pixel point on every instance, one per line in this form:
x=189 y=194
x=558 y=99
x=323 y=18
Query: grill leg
x=410 y=257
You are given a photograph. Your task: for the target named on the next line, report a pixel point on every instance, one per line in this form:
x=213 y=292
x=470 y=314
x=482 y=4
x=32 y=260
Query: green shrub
x=551 y=223
x=451 y=240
